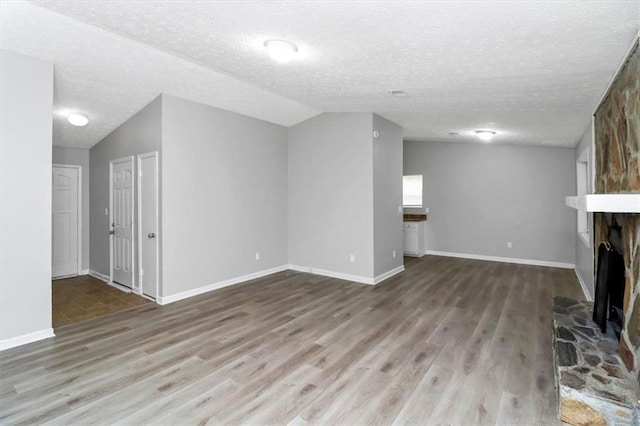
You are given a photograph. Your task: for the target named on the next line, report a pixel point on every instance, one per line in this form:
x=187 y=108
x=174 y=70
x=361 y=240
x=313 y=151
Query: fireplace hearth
x=594 y=387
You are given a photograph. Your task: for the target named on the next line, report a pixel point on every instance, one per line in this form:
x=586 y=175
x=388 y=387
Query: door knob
x=113 y=231
x=151 y=235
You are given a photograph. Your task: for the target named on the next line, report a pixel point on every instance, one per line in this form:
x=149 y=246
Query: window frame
x=420 y=193
x=583 y=187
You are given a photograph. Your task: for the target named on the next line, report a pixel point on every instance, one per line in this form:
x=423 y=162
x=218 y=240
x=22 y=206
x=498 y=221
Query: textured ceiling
x=533 y=70
x=110 y=77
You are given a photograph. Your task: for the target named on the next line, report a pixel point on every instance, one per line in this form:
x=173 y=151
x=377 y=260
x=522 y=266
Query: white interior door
x=148 y=223
x=65 y=221
x=122 y=221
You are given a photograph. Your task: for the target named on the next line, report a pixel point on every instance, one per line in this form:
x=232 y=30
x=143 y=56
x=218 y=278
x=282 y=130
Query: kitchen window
x=412 y=191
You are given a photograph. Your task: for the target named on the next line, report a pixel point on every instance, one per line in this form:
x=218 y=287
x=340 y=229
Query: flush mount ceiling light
x=78 y=119
x=281 y=50
x=485 y=135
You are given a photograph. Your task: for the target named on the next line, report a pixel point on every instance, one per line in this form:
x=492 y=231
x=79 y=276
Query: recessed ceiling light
x=281 y=50
x=398 y=93
x=78 y=119
x=485 y=135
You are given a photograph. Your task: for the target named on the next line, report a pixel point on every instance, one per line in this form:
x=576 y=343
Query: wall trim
x=84 y=272
x=26 y=338
x=388 y=274
x=164 y=300
x=583 y=284
x=297 y=268
x=416 y=254
x=106 y=279
x=503 y=259
x=332 y=274
x=120 y=287
x=348 y=277
x=98 y=275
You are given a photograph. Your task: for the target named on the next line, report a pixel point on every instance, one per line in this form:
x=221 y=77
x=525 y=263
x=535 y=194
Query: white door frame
x=79 y=168
x=133 y=222
x=154 y=155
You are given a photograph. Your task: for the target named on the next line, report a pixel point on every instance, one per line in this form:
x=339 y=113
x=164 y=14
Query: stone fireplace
x=598 y=372
x=617 y=158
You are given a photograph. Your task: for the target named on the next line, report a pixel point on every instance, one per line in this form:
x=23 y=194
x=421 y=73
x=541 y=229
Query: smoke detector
x=398 y=93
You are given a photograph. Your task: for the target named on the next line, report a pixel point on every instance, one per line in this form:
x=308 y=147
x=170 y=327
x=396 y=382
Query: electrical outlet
x=509 y=244
x=394 y=254
x=257 y=255
x=352 y=258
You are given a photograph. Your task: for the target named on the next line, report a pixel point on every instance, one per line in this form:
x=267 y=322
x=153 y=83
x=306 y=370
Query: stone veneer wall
x=617 y=157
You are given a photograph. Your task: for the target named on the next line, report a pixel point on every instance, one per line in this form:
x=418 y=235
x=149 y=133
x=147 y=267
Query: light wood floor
x=85 y=297
x=449 y=341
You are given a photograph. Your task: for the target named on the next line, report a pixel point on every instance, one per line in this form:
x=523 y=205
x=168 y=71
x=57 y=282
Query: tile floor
x=85 y=297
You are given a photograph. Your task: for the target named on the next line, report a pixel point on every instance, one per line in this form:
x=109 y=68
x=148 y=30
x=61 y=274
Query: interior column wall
x=331 y=195
x=26 y=111
x=387 y=196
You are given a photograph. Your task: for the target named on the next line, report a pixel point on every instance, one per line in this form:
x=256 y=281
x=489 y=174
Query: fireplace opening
x=610 y=284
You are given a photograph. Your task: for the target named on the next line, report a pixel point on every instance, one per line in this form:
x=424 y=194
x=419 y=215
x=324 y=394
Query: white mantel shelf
x=605 y=203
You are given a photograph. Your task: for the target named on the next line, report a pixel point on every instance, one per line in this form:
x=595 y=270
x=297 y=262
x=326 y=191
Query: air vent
x=398 y=93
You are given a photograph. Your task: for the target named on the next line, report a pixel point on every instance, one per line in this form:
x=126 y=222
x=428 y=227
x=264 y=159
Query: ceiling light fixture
x=281 y=50
x=485 y=135
x=78 y=119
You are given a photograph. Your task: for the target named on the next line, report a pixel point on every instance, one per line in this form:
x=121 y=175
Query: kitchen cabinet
x=415 y=243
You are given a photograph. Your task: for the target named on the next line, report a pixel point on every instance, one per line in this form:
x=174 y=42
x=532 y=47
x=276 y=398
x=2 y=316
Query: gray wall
x=138 y=135
x=584 y=254
x=481 y=196
x=387 y=195
x=331 y=193
x=224 y=195
x=26 y=99
x=79 y=157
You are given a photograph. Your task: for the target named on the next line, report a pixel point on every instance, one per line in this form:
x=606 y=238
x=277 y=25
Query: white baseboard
x=120 y=287
x=503 y=259
x=388 y=274
x=84 y=272
x=332 y=274
x=99 y=276
x=583 y=285
x=298 y=268
x=347 y=277
x=107 y=279
x=26 y=338
x=164 y=300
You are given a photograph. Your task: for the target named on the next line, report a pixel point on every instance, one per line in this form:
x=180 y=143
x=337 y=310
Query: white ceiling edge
x=109 y=77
